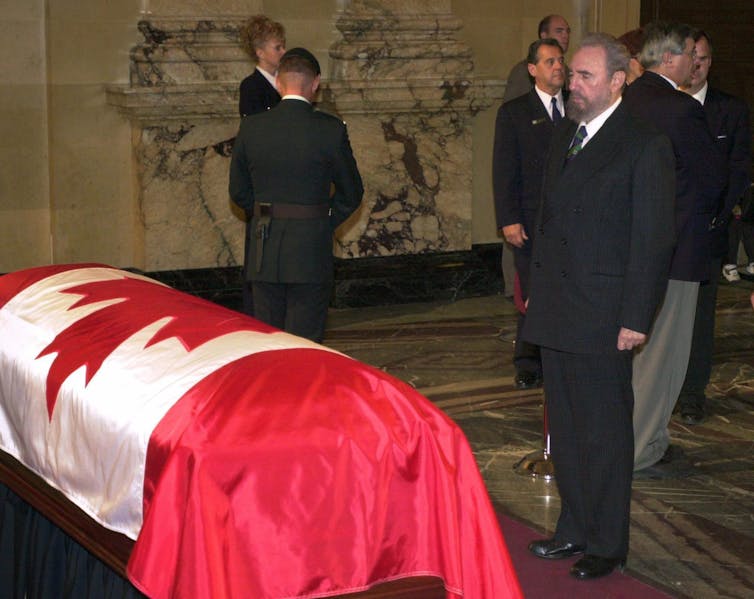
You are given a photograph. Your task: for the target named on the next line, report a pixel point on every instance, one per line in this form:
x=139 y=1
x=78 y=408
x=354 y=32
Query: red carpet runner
x=550 y=579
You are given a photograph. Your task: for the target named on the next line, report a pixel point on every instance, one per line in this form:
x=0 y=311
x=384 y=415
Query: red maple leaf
x=90 y=340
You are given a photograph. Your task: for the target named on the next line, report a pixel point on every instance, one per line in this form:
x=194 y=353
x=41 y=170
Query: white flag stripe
x=94 y=448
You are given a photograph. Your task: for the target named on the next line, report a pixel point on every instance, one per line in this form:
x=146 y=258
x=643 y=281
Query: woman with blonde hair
x=264 y=41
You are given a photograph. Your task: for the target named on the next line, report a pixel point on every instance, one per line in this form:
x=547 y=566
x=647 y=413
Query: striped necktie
x=556 y=116
x=577 y=143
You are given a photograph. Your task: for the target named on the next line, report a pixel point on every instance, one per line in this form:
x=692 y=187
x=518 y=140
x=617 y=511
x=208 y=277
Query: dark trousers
x=589 y=407
x=297 y=308
x=702 y=341
x=525 y=355
x=740 y=231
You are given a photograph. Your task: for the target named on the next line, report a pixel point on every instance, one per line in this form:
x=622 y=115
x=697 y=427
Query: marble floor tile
x=692 y=536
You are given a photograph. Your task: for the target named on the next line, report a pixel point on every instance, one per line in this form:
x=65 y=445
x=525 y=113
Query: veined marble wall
x=401 y=80
x=79 y=181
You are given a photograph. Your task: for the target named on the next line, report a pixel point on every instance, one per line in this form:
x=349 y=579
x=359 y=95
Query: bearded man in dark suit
x=284 y=163
x=660 y=366
x=522 y=137
x=728 y=120
x=604 y=237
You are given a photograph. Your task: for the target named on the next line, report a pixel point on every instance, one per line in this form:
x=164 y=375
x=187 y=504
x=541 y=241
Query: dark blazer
x=256 y=94
x=292 y=154
x=523 y=130
x=604 y=237
x=700 y=168
x=728 y=121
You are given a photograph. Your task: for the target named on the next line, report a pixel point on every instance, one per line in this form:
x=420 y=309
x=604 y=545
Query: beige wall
x=67 y=191
x=91 y=198
x=24 y=182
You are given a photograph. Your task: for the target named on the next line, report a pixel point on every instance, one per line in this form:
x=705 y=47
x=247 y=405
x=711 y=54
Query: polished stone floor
x=692 y=535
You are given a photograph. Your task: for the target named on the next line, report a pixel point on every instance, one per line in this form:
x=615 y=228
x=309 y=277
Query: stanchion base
x=537 y=464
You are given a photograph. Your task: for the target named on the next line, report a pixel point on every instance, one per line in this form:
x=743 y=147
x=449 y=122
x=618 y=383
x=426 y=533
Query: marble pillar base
x=369 y=281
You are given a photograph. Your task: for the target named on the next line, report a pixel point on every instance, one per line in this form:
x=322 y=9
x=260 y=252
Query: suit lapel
x=712 y=112
x=596 y=155
x=537 y=111
x=561 y=139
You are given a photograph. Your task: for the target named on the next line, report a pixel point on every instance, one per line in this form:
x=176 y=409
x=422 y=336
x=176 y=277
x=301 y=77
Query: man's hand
x=628 y=339
x=515 y=234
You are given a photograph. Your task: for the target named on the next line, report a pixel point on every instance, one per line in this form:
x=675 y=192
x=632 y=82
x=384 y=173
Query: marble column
x=405 y=86
x=183 y=104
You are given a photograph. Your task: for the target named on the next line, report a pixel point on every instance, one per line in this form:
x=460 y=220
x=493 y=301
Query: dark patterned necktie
x=577 y=143
x=556 y=116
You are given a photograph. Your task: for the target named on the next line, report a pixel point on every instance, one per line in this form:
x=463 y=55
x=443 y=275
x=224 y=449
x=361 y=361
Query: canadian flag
x=246 y=462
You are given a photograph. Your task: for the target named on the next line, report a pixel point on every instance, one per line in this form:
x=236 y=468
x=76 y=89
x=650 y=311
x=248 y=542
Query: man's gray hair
x=661 y=37
x=616 y=53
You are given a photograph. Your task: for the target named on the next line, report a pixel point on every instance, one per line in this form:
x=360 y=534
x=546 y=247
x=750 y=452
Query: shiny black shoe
x=526 y=379
x=555 y=549
x=594 y=566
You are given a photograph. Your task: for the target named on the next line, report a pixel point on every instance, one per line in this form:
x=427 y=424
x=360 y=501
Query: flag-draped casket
x=244 y=461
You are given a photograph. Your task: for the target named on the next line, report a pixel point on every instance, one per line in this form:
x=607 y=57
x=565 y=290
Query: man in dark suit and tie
x=522 y=137
x=284 y=163
x=660 y=365
x=728 y=120
x=519 y=83
x=604 y=237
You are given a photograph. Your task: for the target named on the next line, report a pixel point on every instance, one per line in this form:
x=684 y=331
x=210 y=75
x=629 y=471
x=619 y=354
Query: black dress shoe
x=555 y=549
x=526 y=379
x=692 y=414
x=594 y=566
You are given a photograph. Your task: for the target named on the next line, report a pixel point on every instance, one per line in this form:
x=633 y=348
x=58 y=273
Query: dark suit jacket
x=604 y=237
x=292 y=154
x=256 y=94
x=728 y=120
x=700 y=168
x=523 y=130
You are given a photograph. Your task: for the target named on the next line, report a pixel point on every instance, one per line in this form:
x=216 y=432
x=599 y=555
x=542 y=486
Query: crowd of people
x=619 y=218
x=616 y=181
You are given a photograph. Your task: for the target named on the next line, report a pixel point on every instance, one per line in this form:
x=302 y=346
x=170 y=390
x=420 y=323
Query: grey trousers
x=659 y=370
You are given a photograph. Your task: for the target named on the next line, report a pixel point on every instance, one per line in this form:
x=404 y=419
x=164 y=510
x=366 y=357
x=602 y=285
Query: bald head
x=557 y=28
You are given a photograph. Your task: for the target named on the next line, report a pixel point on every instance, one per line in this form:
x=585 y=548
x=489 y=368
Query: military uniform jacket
x=293 y=154
x=604 y=237
x=256 y=94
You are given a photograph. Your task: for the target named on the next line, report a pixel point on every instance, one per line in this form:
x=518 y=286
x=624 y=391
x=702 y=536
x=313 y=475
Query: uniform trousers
x=589 y=402
x=296 y=308
x=659 y=370
x=247 y=298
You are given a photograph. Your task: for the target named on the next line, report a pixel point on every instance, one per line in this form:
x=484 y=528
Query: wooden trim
x=110 y=547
